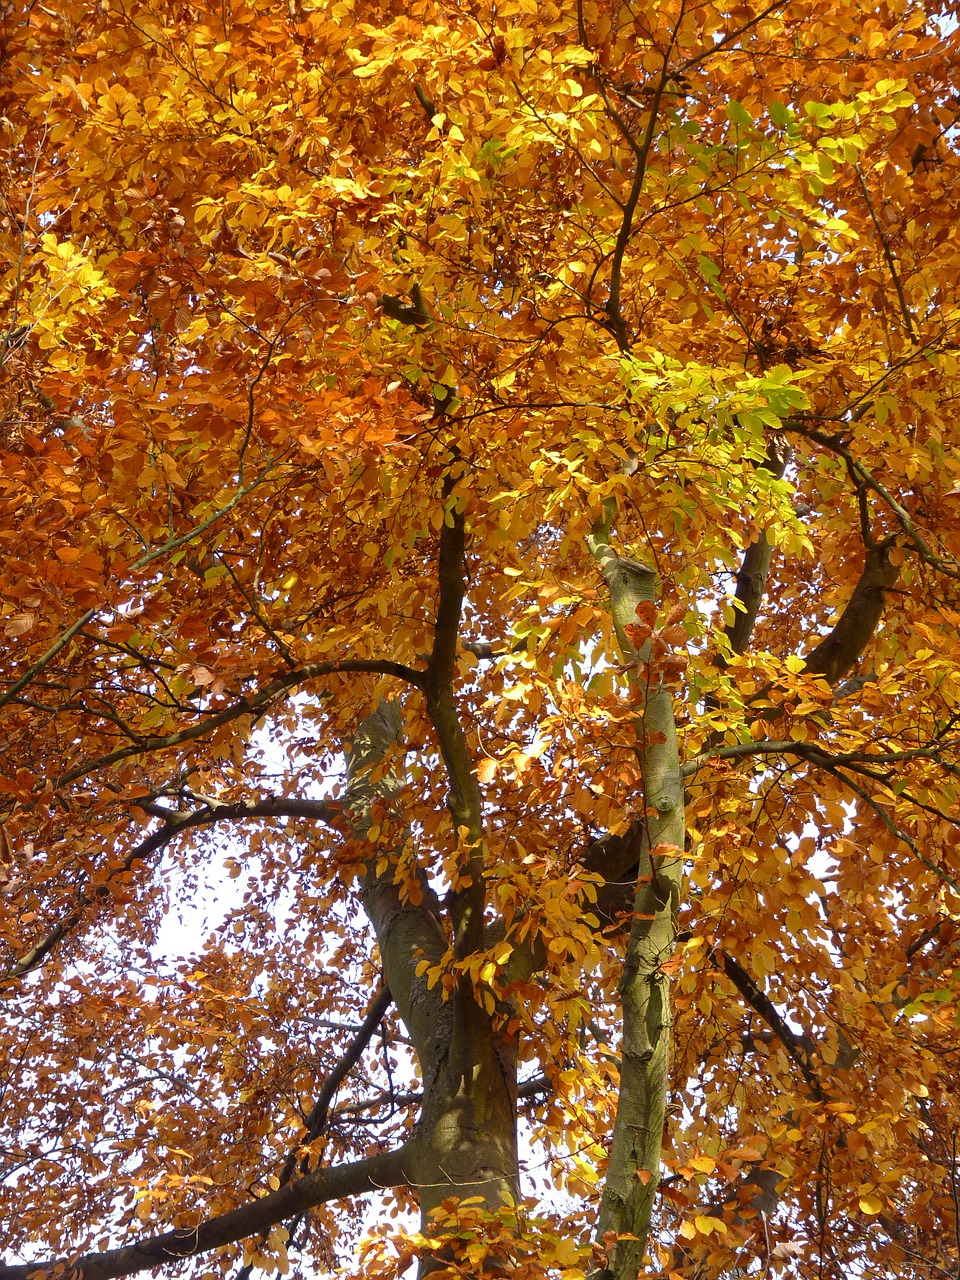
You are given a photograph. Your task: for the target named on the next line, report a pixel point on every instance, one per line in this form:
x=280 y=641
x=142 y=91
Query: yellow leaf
x=707 y=1226
x=486 y=769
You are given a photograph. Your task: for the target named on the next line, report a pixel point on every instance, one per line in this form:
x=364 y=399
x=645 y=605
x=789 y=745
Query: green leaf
x=737 y=113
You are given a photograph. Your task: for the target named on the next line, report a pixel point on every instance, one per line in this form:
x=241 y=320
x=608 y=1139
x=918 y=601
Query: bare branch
x=761 y=1003
x=255 y=703
x=319 y=1187
x=317 y=1119
x=44 y=661
x=728 y=39
x=65 y=637
x=836 y=444
x=900 y=834
x=174 y=825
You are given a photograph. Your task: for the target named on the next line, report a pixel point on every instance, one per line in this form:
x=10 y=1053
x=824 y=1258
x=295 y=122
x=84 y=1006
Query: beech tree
x=481 y=481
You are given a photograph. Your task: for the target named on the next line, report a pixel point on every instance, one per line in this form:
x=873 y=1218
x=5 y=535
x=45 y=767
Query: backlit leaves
x=289 y=288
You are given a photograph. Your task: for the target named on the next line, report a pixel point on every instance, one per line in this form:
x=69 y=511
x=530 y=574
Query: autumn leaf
x=373 y=378
x=18 y=624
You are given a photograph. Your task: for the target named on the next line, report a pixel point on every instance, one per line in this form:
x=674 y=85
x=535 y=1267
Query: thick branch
x=751 y=581
x=488 y=651
x=754 y=569
x=317 y=1119
x=415 y=313
x=406 y=932
x=463 y=799
x=761 y=1003
x=628 y=1198
x=616 y=319
x=268 y=807
x=617 y=859
x=466 y=1137
x=319 y=1187
x=861 y=761
x=838 y=652
x=450 y=572
x=537 y=1087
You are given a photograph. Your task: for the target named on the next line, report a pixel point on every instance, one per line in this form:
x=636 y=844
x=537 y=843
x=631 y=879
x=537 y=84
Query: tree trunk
x=633 y=1171
x=465 y=1146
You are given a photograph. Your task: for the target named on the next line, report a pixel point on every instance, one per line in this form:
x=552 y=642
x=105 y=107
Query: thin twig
x=888 y=256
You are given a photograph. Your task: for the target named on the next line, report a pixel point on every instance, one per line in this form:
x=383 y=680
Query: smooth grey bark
x=465 y=1142
x=633 y=1171
x=468 y=1126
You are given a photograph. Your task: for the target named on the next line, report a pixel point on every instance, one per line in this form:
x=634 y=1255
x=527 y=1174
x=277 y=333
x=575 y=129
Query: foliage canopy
x=486 y=477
